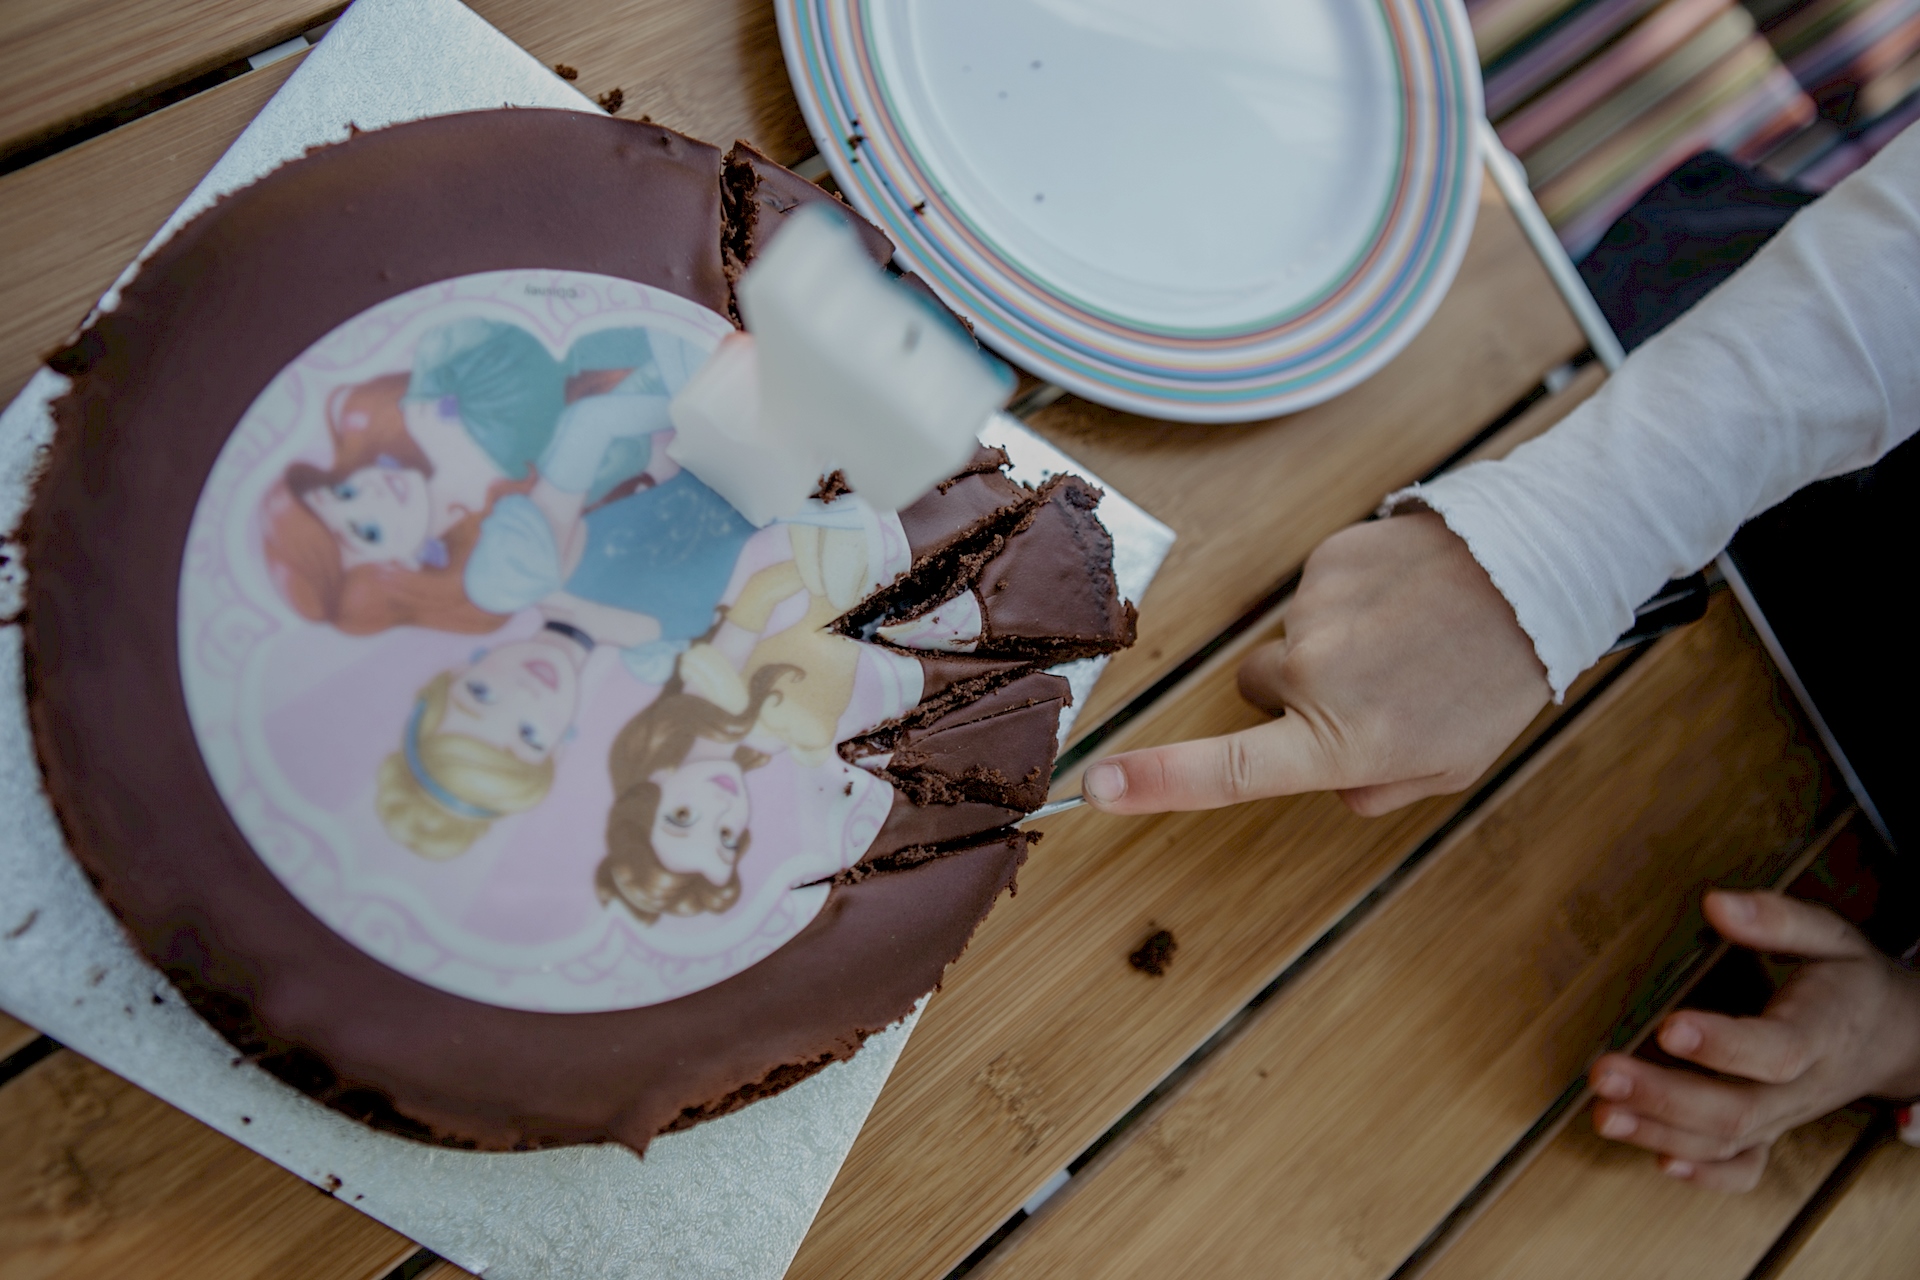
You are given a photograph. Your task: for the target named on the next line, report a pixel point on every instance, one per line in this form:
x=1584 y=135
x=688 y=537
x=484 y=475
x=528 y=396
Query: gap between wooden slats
x=1357 y=1109
x=1868 y=1228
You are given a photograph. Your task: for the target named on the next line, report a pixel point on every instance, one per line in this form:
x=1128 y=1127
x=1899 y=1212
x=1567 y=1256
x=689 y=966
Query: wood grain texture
x=711 y=69
x=1043 y=1035
x=15 y=1035
x=65 y=62
x=1589 y=1209
x=1873 y=1232
x=1250 y=500
x=1362 y=1103
x=70 y=224
x=101 y=1179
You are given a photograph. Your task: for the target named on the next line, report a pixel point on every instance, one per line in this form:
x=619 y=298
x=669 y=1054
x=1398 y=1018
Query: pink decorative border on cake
x=296 y=717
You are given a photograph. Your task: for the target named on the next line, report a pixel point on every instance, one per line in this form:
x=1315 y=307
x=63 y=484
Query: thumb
x=1773 y=922
x=1281 y=758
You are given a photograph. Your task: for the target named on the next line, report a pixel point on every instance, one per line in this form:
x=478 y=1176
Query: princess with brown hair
x=742 y=700
x=680 y=818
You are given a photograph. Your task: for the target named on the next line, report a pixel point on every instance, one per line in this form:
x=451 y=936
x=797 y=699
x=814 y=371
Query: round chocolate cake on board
x=464 y=761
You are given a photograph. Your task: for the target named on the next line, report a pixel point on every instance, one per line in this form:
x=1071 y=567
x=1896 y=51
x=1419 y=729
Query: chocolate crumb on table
x=566 y=72
x=1155 y=954
x=612 y=100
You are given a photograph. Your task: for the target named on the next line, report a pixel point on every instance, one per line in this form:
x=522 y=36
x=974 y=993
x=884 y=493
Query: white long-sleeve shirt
x=1804 y=365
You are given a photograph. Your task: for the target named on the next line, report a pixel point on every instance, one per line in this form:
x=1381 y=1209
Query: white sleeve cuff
x=1571 y=623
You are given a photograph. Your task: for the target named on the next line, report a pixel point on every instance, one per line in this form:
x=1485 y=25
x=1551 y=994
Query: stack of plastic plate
x=1212 y=211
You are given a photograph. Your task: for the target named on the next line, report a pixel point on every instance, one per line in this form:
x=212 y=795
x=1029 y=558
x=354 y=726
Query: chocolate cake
x=162 y=565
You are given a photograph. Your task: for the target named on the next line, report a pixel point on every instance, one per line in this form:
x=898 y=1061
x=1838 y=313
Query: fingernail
x=1618 y=1124
x=1738 y=907
x=1612 y=1084
x=1105 y=783
x=1680 y=1037
x=1678 y=1169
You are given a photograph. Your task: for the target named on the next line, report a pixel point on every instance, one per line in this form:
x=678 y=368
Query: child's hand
x=1403 y=674
x=1847 y=1025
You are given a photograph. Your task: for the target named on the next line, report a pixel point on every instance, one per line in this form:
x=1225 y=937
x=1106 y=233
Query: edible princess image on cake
x=500 y=692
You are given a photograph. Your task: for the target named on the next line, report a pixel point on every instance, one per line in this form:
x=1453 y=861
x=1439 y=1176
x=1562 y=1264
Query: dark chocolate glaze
x=160 y=383
x=996 y=750
x=760 y=194
x=949 y=679
x=957 y=512
x=933 y=826
x=1049 y=592
x=951 y=529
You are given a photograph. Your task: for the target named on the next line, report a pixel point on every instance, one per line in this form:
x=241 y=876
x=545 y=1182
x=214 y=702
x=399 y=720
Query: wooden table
x=1363 y=1058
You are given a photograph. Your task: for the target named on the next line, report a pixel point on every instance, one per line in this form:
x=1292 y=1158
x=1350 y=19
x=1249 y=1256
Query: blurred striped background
x=1602 y=98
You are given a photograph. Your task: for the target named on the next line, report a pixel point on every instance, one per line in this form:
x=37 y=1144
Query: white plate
x=1214 y=211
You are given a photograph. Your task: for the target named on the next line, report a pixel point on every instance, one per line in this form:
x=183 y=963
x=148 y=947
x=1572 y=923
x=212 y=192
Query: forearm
x=1798 y=368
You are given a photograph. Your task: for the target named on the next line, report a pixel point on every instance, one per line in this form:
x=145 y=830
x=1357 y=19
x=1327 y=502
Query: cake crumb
x=332 y=1183
x=1155 y=954
x=566 y=72
x=612 y=100
x=833 y=485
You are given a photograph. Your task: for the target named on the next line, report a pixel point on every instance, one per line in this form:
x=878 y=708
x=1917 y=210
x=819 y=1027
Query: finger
x=1281 y=758
x=1371 y=802
x=1618 y=1123
x=1769 y=1050
x=1734 y=1177
x=1731 y=1113
x=1775 y=923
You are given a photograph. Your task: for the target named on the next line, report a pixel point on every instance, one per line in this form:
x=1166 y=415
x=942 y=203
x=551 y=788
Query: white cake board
x=730 y=1198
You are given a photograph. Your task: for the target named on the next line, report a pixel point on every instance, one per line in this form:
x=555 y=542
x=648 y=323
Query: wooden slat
x=1360 y=1105
x=101 y=1179
x=1589 y=1209
x=70 y=224
x=1873 y=1232
x=711 y=69
x=1250 y=500
x=15 y=1036
x=65 y=62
